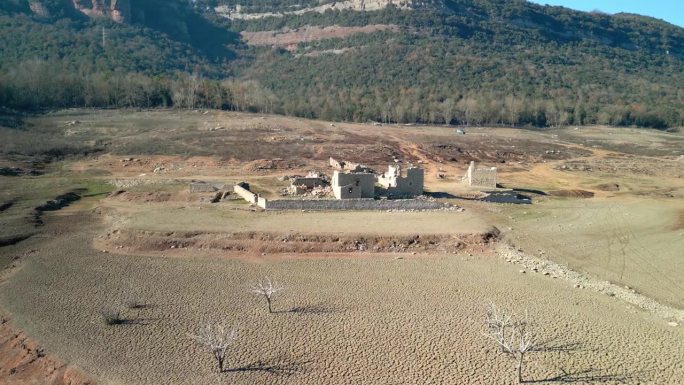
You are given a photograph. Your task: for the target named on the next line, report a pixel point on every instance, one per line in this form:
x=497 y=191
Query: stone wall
x=309 y=182
x=201 y=187
x=347 y=192
x=481 y=177
x=351 y=204
x=398 y=185
x=245 y=193
x=412 y=184
x=357 y=167
x=334 y=163
x=364 y=181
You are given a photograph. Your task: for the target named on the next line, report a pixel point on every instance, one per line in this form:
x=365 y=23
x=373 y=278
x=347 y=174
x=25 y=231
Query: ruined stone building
x=349 y=185
x=349 y=166
x=396 y=184
x=201 y=187
x=480 y=176
x=353 y=180
x=303 y=184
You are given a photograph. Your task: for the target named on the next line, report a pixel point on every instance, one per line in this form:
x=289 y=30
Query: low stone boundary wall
x=245 y=194
x=351 y=204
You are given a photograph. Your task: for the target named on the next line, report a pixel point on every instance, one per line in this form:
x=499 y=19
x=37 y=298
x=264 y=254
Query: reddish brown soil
x=680 y=223
x=23 y=362
x=572 y=193
x=271 y=164
x=249 y=243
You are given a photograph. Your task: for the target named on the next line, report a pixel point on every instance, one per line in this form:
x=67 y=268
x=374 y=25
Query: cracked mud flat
x=382 y=316
x=368 y=320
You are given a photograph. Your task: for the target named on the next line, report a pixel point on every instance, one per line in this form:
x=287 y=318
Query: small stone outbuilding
x=353 y=185
x=396 y=184
x=480 y=176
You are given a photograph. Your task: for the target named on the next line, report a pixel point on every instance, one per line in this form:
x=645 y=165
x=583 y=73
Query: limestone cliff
x=117 y=10
x=236 y=12
x=39 y=9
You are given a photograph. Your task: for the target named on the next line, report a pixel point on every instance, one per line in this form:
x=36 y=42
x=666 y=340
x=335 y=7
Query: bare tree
x=267 y=289
x=511 y=334
x=194 y=82
x=448 y=107
x=217 y=339
x=497 y=321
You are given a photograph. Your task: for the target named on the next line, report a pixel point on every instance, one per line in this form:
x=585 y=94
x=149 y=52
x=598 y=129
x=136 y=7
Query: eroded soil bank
x=24 y=362
x=134 y=241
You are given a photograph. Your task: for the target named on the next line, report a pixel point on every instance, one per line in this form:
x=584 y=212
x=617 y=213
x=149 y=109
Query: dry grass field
x=407 y=307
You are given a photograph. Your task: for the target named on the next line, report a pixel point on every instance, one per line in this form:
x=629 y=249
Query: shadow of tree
x=278 y=367
x=319 y=308
x=440 y=194
x=592 y=375
x=551 y=346
x=134 y=321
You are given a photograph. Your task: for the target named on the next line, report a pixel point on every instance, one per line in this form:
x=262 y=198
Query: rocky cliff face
x=117 y=10
x=236 y=12
x=39 y=9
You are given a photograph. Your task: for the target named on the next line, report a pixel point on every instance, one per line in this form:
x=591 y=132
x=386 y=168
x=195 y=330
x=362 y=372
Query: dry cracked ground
x=408 y=309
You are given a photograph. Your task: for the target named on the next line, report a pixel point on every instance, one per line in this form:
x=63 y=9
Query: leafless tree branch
x=267 y=289
x=217 y=339
x=511 y=333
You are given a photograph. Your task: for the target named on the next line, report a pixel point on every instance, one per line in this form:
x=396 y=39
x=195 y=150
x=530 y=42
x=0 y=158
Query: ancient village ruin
x=480 y=176
x=355 y=186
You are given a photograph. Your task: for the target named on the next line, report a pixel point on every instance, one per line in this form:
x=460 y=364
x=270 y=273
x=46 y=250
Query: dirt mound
x=262 y=242
x=270 y=164
x=572 y=193
x=609 y=187
x=144 y=197
x=59 y=202
x=22 y=362
x=679 y=225
x=13 y=239
x=15 y=171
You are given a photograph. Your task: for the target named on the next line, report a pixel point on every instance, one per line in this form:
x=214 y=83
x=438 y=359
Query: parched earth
x=340 y=321
x=371 y=297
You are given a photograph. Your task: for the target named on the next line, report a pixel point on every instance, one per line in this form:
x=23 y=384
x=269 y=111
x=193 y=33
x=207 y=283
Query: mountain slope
x=457 y=61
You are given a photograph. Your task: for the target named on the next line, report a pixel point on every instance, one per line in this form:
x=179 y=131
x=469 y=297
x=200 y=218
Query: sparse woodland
x=481 y=63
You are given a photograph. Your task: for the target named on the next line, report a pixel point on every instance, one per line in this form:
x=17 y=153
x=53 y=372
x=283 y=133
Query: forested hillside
x=439 y=61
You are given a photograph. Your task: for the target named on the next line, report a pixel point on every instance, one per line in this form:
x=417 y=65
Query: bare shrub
x=267 y=289
x=216 y=339
x=510 y=333
x=112 y=317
